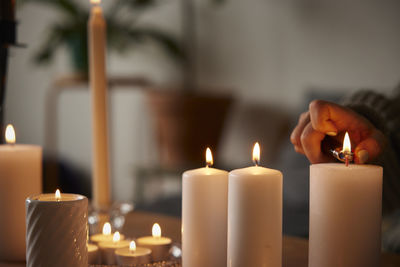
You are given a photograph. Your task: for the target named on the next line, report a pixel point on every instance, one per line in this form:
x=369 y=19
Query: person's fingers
x=311 y=144
x=304 y=119
x=331 y=118
x=369 y=148
x=299 y=149
x=321 y=117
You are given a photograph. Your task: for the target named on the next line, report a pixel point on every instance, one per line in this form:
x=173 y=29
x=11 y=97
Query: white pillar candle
x=98 y=89
x=106 y=235
x=255 y=216
x=158 y=244
x=107 y=249
x=345 y=215
x=133 y=255
x=20 y=177
x=93 y=254
x=56 y=230
x=204 y=216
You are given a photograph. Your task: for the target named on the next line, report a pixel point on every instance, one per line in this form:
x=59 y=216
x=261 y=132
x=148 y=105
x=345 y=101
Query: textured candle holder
x=56 y=231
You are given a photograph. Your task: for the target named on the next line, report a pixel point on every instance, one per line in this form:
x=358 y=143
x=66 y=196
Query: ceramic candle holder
x=56 y=231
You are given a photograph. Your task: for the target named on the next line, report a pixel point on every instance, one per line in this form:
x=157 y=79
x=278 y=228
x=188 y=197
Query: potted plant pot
x=186 y=124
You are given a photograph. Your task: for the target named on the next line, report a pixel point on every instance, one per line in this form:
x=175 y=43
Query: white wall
x=268 y=51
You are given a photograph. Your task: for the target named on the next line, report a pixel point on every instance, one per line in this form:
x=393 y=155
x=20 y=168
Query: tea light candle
x=93 y=254
x=345 y=214
x=158 y=244
x=20 y=177
x=106 y=235
x=255 y=216
x=133 y=255
x=56 y=230
x=107 y=248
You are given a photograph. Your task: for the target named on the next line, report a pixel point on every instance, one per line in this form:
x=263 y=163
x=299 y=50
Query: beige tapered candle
x=98 y=88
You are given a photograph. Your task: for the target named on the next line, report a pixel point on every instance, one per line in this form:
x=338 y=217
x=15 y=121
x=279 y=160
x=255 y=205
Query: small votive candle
x=158 y=245
x=106 y=235
x=107 y=248
x=93 y=254
x=133 y=255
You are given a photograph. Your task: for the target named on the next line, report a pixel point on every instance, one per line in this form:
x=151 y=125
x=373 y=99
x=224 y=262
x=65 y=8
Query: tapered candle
x=98 y=89
x=255 y=216
x=204 y=216
x=20 y=177
x=345 y=214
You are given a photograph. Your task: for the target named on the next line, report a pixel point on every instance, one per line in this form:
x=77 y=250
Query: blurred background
x=262 y=61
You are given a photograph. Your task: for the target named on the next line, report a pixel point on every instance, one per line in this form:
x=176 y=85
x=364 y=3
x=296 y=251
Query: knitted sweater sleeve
x=384 y=113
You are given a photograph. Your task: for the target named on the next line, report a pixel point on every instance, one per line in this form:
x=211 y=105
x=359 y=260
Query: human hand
x=326 y=118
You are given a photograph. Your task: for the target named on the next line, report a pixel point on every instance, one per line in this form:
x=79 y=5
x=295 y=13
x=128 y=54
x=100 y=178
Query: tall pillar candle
x=255 y=216
x=20 y=177
x=345 y=215
x=204 y=216
x=98 y=89
x=56 y=230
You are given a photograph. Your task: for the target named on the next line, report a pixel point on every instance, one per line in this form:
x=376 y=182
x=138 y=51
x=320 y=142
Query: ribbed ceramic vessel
x=56 y=231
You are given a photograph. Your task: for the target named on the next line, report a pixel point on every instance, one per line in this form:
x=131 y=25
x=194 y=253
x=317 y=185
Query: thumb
x=370 y=148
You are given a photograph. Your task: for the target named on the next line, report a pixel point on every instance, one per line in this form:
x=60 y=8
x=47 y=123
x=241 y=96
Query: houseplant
x=123 y=33
x=187 y=118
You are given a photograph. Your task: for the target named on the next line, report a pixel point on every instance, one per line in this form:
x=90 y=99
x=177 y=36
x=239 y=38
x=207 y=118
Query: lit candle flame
x=156 y=230
x=209 y=158
x=57 y=195
x=256 y=154
x=116 y=237
x=95 y=2
x=132 y=246
x=107 y=229
x=10 y=134
x=346 y=143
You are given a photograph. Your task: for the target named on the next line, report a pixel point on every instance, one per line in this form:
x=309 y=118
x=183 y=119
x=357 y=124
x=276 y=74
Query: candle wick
x=347 y=160
x=256 y=162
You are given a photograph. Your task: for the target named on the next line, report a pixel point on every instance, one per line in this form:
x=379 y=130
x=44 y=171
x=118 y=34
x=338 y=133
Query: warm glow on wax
x=107 y=229
x=209 y=157
x=156 y=230
x=10 y=134
x=132 y=246
x=116 y=237
x=256 y=154
x=346 y=143
x=57 y=195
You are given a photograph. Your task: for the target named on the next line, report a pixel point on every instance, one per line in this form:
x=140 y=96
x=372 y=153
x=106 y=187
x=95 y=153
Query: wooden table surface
x=295 y=250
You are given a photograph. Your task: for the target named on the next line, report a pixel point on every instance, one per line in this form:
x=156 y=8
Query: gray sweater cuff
x=371 y=105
